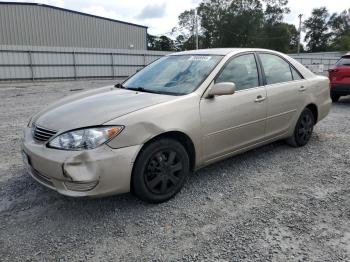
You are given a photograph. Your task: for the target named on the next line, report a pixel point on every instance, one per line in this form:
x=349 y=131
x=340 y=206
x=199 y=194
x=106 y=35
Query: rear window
x=344 y=61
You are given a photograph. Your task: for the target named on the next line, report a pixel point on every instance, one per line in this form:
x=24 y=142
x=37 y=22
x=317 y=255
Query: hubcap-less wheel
x=160 y=170
x=305 y=127
x=163 y=172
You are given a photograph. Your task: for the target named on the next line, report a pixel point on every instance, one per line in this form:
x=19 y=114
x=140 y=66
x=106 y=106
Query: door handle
x=259 y=99
x=302 y=89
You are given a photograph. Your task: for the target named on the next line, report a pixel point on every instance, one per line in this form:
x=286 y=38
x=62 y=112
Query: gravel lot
x=274 y=203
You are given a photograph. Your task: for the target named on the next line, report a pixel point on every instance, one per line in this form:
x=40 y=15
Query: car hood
x=95 y=107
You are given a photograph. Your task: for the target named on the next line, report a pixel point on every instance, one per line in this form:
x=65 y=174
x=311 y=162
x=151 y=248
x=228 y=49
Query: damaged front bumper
x=97 y=172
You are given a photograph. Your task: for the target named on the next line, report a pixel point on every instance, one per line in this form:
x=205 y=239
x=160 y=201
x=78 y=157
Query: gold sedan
x=178 y=114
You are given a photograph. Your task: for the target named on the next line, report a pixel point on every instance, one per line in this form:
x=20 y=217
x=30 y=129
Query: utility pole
x=196 y=27
x=299 y=38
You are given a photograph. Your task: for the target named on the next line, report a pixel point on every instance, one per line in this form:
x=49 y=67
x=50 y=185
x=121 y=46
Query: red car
x=339 y=77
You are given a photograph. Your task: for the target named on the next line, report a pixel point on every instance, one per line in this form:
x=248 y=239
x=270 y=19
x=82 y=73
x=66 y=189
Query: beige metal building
x=30 y=24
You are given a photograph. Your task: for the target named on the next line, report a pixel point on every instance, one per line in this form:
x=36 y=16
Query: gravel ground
x=274 y=203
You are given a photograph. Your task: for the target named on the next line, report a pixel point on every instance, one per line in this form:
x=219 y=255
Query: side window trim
x=291 y=71
x=259 y=70
x=297 y=71
x=290 y=67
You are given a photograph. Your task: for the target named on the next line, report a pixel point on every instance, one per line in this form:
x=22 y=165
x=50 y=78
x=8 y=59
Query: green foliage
x=255 y=23
x=279 y=36
x=327 y=33
x=318 y=35
x=340 y=26
x=240 y=23
x=162 y=43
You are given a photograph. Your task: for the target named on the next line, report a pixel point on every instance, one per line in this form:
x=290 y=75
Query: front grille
x=44 y=179
x=42 y=134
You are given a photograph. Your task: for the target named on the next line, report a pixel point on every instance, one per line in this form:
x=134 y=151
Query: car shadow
x=24 y=191
x=27 y=208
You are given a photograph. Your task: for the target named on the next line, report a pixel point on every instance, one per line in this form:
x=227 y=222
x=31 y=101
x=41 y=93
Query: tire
x=335 y=98
x=303 y=129
x=160 y=171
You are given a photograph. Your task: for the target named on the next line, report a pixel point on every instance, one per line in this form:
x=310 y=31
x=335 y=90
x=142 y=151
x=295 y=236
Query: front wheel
x=160 y=171
x=303 y=129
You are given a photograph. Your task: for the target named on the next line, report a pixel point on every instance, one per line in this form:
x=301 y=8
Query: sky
x=162 y=15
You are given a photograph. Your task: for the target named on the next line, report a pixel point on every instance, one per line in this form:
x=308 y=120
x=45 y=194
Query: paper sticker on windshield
x=199 y=58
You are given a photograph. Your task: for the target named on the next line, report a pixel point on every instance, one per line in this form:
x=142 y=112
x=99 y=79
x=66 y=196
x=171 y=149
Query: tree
x=280 y=36
x=212 y=14
x=151 y=42
x=187 y=23
x=276 y=34
x=340 y=25
x=162 y=43
x=240 y=23
x=275 y=10
x=318 y=35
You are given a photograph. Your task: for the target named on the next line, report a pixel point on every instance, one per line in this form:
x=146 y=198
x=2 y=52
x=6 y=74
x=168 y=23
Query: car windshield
x=175 y=75
x=344 y=61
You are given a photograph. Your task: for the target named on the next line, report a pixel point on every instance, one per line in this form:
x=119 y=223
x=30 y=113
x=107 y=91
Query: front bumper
x=98 y=172
x=340 y=89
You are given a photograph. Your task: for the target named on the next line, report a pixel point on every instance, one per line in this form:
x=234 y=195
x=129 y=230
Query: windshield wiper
x=119 y=85
x=141 y=89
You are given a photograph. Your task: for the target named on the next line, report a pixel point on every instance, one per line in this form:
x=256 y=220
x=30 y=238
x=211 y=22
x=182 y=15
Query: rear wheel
x=303 y=129
x=335 y=98
x=160 y=171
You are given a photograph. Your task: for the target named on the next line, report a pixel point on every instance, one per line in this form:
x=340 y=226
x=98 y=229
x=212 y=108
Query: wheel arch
x=178 y=136
x=313 y=108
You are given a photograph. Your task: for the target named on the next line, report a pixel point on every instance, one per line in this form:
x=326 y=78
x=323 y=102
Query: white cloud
x=152 y=11
x=305 y=7
x=101 y=11
x=130 y=10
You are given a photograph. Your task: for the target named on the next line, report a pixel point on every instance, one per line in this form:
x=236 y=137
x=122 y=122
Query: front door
x=235 y=121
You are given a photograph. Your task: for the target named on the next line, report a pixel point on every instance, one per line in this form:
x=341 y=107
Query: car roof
x=219 y=51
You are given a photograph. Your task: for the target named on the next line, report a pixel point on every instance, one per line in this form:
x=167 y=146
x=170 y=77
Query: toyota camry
x=180 y=113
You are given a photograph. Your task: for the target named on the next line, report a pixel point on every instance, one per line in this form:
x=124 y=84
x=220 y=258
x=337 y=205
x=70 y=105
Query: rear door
x=285 y=89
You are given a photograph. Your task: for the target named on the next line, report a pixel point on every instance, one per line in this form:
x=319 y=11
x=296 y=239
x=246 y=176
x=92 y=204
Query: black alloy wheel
x=160 y=170
x=303 y=129
x=163 y=172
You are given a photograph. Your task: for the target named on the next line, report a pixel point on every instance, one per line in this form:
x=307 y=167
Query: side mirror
x=221 y=89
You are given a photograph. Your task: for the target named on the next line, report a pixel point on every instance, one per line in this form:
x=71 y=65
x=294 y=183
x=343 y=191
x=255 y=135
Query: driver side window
x=242 y=71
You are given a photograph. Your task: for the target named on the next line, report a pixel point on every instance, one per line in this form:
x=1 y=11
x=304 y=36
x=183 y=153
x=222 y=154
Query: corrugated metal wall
x=37 y=63
x=319 y=63
x=42 y=25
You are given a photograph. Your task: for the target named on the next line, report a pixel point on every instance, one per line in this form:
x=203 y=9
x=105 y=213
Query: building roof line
x=71 y=11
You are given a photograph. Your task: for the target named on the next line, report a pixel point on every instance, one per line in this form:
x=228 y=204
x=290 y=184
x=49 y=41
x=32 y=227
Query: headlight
x=87 y=138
